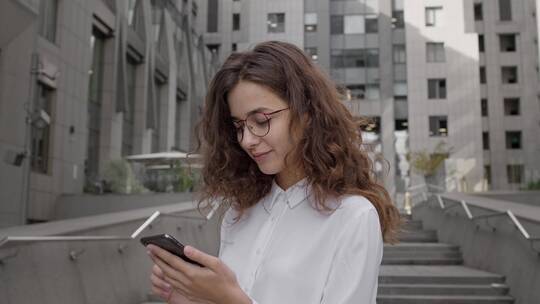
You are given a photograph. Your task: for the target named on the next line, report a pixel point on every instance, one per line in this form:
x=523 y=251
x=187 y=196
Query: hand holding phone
x=170 y=244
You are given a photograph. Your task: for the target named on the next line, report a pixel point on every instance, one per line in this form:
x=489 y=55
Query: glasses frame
x=243 y=123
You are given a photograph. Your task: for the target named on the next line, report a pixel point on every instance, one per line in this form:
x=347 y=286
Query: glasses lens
x=258 y=124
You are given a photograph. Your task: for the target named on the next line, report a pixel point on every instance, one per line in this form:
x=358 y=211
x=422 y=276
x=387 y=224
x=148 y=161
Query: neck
x=286 y=180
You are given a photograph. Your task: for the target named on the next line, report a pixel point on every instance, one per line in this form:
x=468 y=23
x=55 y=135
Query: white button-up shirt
x=284 y=251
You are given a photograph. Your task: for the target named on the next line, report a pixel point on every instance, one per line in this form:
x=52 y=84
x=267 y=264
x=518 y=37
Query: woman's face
x=248 y=97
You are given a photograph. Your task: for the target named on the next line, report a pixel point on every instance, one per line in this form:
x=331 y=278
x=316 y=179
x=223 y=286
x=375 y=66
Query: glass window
x=511 y=106
x=435 y=52
x=180 y=100
x=481 y=44
x=40 y=142
x=373 y=92
x=236 y=22
x=485 y=140
x=372 y=24
x=478 y=12
x=400 y=55
x=212 y=20
x=400 y=89
x=434 y=16
x=156 y=138
x=513 y=140
x=514 y=174
x=484 y=107
x=397 y=5
x=310 y=22
x=398 y=19
x=436 y=88
x=356 y=91
x=483 y=76
x=336 y=58
x=372 y=58
x=48 y=11
x=402 y=124
x=507 y=42
x=131 y=11
x=129 y=112
x=354 y=58
x=487 y=174
x=336 y=24
x=509 y=74
x=505 y=10
x=312 y=53
x=276 y=23
x=354 y=24
x=97 y=44
x=438 y=126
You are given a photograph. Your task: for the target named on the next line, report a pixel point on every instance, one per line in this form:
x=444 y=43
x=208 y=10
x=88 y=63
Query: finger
x=170 y=259
x=170 y=275
x=161 y=283
x=157 y=271
x=203 y=258
x=164 y=294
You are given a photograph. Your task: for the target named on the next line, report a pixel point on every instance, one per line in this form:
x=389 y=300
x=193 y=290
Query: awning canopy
x=164 y=158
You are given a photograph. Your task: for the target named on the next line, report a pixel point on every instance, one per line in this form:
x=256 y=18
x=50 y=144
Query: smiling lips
x=260 y=154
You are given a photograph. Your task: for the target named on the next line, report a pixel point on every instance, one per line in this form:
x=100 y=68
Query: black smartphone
x=168 y=243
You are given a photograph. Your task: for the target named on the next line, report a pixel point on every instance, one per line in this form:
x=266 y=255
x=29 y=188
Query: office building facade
x=84 y=83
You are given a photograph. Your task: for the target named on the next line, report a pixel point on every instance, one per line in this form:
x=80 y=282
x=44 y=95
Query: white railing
x=445 y=206
x=18 y=240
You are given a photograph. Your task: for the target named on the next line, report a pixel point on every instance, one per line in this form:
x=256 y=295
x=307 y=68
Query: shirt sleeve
x=353 y=277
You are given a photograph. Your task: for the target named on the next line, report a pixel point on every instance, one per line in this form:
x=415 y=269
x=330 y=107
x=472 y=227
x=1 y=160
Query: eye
x=260 y=118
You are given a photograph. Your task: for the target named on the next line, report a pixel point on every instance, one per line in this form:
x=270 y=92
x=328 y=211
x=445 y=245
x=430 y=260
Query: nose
x=249 y=140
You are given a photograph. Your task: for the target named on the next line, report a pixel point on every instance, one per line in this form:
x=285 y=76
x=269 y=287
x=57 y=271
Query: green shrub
x=121 y=179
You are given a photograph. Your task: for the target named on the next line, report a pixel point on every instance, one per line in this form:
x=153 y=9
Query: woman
x=305 y=218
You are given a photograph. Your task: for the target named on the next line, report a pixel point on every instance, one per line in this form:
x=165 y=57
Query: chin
x=270 y=169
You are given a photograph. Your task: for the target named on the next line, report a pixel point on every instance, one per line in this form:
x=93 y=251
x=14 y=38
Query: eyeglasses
x=258 y=124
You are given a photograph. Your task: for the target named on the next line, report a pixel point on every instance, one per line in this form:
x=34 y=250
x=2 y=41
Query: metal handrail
x=67 y=238
x=70 y=238
x=515 y=221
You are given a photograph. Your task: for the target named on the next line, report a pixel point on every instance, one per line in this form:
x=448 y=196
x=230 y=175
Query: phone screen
x=169 y=243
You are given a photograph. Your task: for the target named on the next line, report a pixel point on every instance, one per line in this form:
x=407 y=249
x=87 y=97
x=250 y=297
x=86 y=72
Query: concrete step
x=443 y=289
x=406 y=216
x=423 y=236
x=412 y=225
x=422 y=254
x=446 y=299
x=441 y=274
x=420 y=247
x=422 y=261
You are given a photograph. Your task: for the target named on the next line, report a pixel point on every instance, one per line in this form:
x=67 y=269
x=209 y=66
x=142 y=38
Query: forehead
x=247 y=97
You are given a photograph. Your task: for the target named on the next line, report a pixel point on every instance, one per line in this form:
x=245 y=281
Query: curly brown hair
x=327 y=136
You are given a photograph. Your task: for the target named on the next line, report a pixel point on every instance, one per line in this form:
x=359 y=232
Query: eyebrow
x=259 y=109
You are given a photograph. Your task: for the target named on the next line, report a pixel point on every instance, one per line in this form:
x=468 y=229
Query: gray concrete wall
x=523 y=197
x=494 y=246
x=44 y=273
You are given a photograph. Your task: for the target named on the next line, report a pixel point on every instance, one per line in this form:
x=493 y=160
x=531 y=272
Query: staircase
x=421 y=270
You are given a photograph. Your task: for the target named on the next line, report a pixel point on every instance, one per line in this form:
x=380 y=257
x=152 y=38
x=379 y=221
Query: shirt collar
x=294 y=195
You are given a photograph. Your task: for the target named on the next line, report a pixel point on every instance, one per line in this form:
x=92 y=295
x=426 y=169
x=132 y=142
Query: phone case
x=169 y=243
